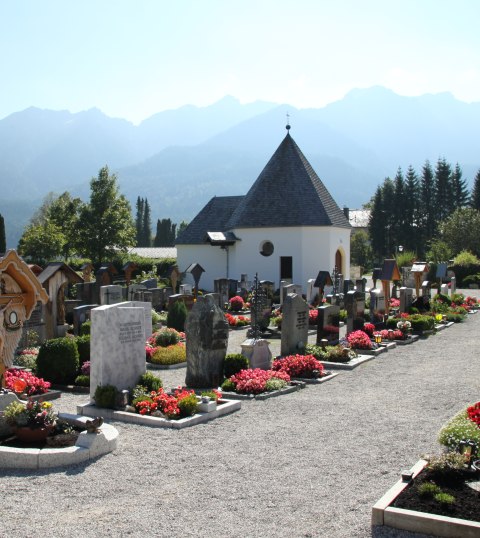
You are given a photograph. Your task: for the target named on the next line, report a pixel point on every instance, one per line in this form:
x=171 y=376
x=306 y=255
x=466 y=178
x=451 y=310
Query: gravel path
x=308 y=464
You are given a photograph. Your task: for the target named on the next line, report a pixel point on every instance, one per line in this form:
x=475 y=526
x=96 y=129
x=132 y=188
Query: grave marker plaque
x=294 y=324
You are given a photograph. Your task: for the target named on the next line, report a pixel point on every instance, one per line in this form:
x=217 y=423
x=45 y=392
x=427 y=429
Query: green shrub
x=444 y=499
x=228 y=386
x=82 y=380
x=150 y=381
x=275 y=384
x=392 y=323
x=188 y=406
x=428 y=489
x=471 y=279
x=456 y=318
x=105 y=396
x=85 y=328
x=156 y=317
x=167 y=337
x=317 y=351
x=58 y=360
x=466 y=258
x=212 y=395
x=169 y=355
x=459 y=428
x=141 y=397
x=83 y=346
x=343 y=315
x=233 y=363
x=422 y=323
x=457 y=298
x=177 y=314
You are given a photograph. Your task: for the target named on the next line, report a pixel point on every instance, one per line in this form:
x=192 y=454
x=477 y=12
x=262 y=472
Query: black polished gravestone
x=355 y=305
x=328 y=324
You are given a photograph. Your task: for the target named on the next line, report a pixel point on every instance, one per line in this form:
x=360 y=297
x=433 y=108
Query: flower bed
x=166 y=348
x=23 y=382
x=237 y=322
x=250 y=383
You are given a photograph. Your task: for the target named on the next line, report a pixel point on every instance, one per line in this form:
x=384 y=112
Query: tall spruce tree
x=3 y=240
x=475 y=196
x=459 y=187
x=376 y=225
x=427 y=213
x=398 y=225
x=165 y=236
x=139 y=221
x=444 y=197
x=146 y=226
x=410 y=208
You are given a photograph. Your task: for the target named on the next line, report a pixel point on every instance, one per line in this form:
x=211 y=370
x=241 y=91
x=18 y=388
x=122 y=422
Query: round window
x=266 y=248
x=13 y=318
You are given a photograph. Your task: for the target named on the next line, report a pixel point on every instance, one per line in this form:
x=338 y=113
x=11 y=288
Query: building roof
x=212 y=218
x=287 y=192
x=54 y=267
x=154 y=252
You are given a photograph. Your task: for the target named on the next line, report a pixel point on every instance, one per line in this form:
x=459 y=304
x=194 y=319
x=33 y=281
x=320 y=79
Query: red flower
x=359 y=340
x=473 y=413
x=298 y=365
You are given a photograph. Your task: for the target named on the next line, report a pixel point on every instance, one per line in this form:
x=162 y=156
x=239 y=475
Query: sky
x=133 y=58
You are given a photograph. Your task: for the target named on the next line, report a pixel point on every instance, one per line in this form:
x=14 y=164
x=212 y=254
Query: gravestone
x=426 y=290
x=328 y=324
x=186 y=289
x=157 y=298
x=292 y=288
x=377 y=271
x=283 y=293
x=111 y=295
x=294 y=324
x=244 y=283
x=206 y=332
x=347 y=286
x=361 y=285
x=377 y=306
x=441 y=272
x=268 y=287
x=258 y=353
x=149 y=283
x=310 y=294
x=132 y=290
x=186 y=299
x=355 y=305
x=220 y=286
x=406 y=299
x=117 y=346
x=81 y=314
x=453 y=285
x=88 y=292
x=232 y=287
x=444 y=289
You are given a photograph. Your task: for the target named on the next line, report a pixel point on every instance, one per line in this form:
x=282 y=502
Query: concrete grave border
x=227 y=406
x=421 y=522
x=350 y=365
x=87 y=446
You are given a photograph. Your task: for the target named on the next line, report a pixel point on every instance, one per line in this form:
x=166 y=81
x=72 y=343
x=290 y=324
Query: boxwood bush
x=169 y=355
x=177 y=314
x=83 y=346
x=422 y=323
x=233 y=363
x=58 y=361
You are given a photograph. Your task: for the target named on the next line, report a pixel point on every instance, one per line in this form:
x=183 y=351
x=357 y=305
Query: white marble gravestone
x=310 y=290
x=117 y=346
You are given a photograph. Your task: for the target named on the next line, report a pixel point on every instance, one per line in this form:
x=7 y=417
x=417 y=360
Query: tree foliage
x=106 y=221
x=143 y=223
x=42 y=243
x=360 y=250
x=475 y=197
x=166 y=233
x=461 y=230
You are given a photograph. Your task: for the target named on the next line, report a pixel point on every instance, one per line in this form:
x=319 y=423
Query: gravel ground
x=308 y=464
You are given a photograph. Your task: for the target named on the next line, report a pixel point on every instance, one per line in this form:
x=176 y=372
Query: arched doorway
x=339 y=261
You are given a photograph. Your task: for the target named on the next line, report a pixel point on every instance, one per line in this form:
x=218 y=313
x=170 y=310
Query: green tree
x=398 y=231
x=411 y=211
x=438 y=251
x=181 y=227
x=64 y=212
x=360 y=250
x=461 y=230
x=165 y=236
x=107 y=223
x=427 y=213
x=444 y=196
x=460 y=189
x=139 y=221
x=3 y=240
x=376 y=224
x=475 y=196
x=41 y=243
x=146 y=226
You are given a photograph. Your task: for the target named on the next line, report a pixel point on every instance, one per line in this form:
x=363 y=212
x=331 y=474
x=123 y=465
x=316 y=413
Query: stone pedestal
x=258 y=353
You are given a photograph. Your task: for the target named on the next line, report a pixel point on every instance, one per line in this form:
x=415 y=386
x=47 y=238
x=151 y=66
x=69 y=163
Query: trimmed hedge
x=58 y=360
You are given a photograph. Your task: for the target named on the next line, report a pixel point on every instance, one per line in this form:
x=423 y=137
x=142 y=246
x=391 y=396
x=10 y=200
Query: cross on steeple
x=287 y=127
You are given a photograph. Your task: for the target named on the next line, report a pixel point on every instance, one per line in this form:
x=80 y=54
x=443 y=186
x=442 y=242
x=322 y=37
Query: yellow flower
x=46 y=405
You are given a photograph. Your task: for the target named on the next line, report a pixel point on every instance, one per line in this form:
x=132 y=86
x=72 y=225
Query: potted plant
x=31 y=421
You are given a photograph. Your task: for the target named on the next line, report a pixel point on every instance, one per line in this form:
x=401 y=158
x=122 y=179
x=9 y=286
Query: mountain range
x=178 y=159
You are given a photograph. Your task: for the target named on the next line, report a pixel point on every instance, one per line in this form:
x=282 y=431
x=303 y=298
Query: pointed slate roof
x=212 y=218
x=288 y=192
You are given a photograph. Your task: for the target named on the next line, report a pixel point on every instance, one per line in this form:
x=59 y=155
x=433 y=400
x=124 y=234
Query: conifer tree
x=460 y=190
x=376 y=224
x=427 y=221
x=165 y=236
x=139 y=221
x=398 y=213
x=444 y=197
x=3 y=241
x=146 y=226
x=410 y=209
x=475 y=196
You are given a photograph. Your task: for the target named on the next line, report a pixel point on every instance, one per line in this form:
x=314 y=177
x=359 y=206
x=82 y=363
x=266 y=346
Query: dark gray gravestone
x=328 y=324
x=355 y=304
x=150 y=283
x=361 y=284
x=406 y=299
x=80 y=315
x=111 y=295
x=347 y=286
x=220 y=286
x=294 y=324
x=206 y=332
x=427 y=289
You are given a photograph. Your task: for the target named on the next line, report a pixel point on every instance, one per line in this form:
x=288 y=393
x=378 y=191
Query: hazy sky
x=132 y=58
